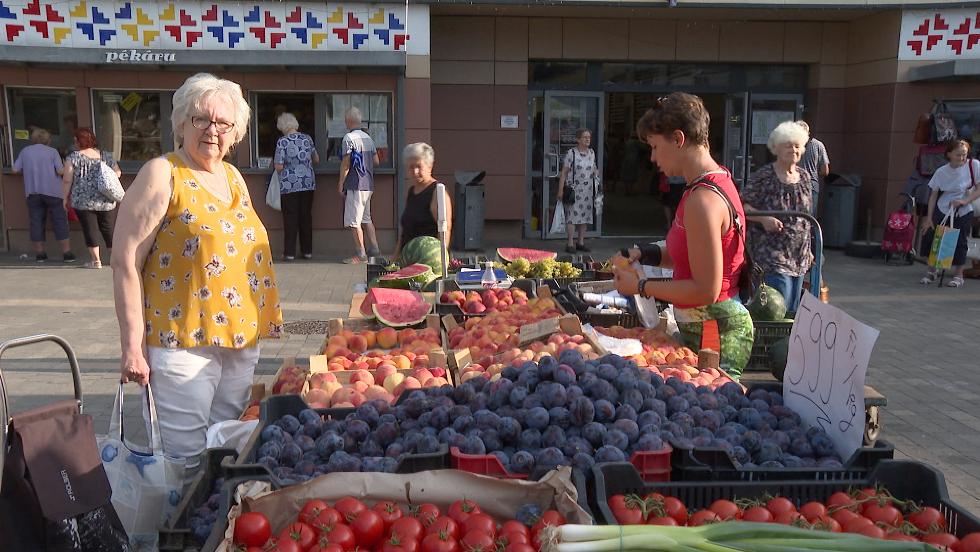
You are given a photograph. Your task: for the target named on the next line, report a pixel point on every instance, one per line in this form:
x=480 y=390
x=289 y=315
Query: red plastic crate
x=654 y=467
x=483 y=464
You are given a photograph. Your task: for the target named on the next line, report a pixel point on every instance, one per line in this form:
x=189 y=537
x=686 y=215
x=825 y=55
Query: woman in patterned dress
x=96 y=212
x=193 y=278
x=579 y=172
x=294 y=159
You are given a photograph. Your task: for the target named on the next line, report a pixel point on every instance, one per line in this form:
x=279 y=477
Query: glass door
x=564 y=114
x=766 y=111
x=735 y=127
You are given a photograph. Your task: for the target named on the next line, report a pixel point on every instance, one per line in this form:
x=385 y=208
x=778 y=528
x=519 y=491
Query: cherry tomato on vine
x=758 y=514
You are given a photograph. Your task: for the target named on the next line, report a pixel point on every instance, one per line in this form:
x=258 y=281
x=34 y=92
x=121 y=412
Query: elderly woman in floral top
x=294 y=159
x=781 y=246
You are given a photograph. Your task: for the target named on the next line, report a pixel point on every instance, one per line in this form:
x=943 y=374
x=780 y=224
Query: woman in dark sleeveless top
x=419 y=216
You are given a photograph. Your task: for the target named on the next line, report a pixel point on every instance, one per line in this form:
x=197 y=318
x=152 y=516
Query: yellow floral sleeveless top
x=208 y=279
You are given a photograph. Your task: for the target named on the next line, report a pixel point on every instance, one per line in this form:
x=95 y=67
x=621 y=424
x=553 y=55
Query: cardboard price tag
x=537 y=330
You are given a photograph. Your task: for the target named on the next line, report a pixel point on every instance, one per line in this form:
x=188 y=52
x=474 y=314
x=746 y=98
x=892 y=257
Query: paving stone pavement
x=925 y=362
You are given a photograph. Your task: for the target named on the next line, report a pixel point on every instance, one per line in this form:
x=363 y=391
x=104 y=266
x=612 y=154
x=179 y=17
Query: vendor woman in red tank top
x=705 y=243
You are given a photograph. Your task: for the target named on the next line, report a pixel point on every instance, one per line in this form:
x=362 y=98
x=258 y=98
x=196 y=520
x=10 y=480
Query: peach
x=357 y=399
x=360 y=386
x=406 y=336
x=387 y=338
x=316 y=395
x=344 y=394
x=347 y=334
x=331 y=387
x=336 y=367
x=362 y=375
x=392 y=381
x=358 y=344
x=318 y=379
x=436 y=382
x=371 y=338
x=402 y=362
x=338 y=341
x=343 y=405
x=383 y=371
x=377 y=392
x=408 y=384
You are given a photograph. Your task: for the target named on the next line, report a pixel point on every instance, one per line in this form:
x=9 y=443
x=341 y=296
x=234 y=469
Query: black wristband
x=639 y=288
x=651 y=254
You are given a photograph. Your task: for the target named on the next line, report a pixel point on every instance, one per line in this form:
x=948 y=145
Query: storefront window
x=48 y=108
x=558 y=73
x=775 y=76
x=321 y=115
x=133 y=124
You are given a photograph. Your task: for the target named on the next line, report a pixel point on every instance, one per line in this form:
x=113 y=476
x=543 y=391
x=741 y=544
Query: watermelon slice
x=508 y=254
x=388 y=296
x=416 y=275
x=400 y=315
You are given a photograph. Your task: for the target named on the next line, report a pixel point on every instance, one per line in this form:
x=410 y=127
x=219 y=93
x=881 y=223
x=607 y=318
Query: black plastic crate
x=766 y=335
x=274 y=407
x=905 y=479
x=528 y=286
x=176 y=535
x=376 y=268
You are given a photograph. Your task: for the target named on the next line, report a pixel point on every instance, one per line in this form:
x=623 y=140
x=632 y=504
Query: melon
x=414 y=276
x=387 y=296
x=769 y=305
x=778 y=353
x=425 y=250
x=509 y=254
x=400 y=315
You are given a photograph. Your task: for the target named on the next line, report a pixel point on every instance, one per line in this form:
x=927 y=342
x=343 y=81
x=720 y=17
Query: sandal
x=956 y=282
x=929 y=278
x=92 y=264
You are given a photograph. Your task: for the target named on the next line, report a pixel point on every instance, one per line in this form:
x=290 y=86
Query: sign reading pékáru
x=139 y=56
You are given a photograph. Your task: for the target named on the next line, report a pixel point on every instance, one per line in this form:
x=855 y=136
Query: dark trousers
x=297 y=217
x=92 y=222
x=40 y=207
x=962 y=223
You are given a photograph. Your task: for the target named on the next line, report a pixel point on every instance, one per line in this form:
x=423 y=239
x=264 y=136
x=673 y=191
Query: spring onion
x=737 y=536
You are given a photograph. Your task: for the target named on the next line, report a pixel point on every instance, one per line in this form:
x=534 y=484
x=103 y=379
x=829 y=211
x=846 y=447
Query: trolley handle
x=76 y=375
x=818 y=242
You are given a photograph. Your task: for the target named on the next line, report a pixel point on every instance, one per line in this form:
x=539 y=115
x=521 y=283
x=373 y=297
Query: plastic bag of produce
x=146 y=485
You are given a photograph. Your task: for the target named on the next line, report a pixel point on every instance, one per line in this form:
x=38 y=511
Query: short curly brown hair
x=677 y=111
x=86 y=138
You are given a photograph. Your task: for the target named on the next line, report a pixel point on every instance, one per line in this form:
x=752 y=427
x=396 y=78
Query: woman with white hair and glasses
x=781 y=247
x=294 y=159
x=194 y=284
x=419 y=217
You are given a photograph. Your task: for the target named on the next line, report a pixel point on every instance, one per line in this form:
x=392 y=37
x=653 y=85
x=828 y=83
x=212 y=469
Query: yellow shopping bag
x=943 y=245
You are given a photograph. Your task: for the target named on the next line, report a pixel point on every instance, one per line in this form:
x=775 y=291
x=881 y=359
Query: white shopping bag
x=272 y=197
x=146 y=485
x=230 y=434
x=558 y=223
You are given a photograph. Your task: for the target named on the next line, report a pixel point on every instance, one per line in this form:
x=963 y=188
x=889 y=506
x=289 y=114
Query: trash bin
x=468 y=210
x=839 y=209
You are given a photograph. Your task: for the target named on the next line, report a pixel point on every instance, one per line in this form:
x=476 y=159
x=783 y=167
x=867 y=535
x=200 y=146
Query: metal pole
x=443 y=225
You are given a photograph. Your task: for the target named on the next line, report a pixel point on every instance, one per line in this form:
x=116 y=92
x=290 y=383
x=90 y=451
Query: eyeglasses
x=203 y=123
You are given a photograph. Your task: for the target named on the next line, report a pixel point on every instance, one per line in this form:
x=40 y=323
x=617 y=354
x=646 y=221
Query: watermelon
x=778 y=352
x=413 y=276
x=509 y=254
x=388 y=296
x=423 y=250
x=769 y=305
x=400 y=315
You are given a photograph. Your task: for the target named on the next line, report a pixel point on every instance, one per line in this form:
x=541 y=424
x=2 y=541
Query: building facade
x=496 y=86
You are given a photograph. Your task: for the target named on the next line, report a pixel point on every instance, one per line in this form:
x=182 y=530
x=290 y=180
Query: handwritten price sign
x=824 y=380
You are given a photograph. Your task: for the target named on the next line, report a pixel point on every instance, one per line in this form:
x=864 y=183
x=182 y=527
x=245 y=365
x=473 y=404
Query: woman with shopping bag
x=950 y=199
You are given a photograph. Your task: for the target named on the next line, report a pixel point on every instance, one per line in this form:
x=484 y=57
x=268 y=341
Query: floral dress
x=294 y=152
x=787 y=252
x=208 y=279
x=85 y=194
x=582 y=173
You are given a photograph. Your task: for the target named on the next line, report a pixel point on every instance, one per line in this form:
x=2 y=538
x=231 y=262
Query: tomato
x=396 y=543
x=779 y=505
x=625 y=512
x=662 y=520
x=252 y=529
x=827 y=523
x=886 y=514
x=872 y=531
x=758 y=514
x=552 y=517
x=480 y=522
x=323 y=545
x=339 y=534
x=928 y=519
x=311 y=509
x=326 y=518
x=514 y=526
x=791 y=517
x=462 y=509
x=840 y=499
x=514 y=537
x=407 y=528
x=368 y=528
x=520 y=547
x=285 y=545
x=866 y=493
x=844 y=516
x=856 y=524
x=702 y=517
x=444 y=524
x=942 y=539
x=477 y=541
x=389 y=512
x=439 y=542
x=348 y=506
x=899 y=536
x=425 y=512
x=726 y=509
x=969 y=543
x=813 y=510
x=674 y=508
x=303 y=534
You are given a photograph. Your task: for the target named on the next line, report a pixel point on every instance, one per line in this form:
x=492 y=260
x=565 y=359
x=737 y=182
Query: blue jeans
x=790 y=286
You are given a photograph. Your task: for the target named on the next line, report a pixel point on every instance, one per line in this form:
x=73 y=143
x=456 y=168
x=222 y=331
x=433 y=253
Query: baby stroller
x=898 y=242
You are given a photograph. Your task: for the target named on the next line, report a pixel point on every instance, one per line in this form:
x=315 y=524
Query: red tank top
x=732 y=245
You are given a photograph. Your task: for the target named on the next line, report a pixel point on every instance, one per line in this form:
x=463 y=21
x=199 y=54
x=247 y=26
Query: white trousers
x=196 y=387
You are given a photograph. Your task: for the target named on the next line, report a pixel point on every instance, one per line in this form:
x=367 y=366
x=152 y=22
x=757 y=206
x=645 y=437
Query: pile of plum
x=564 y=411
